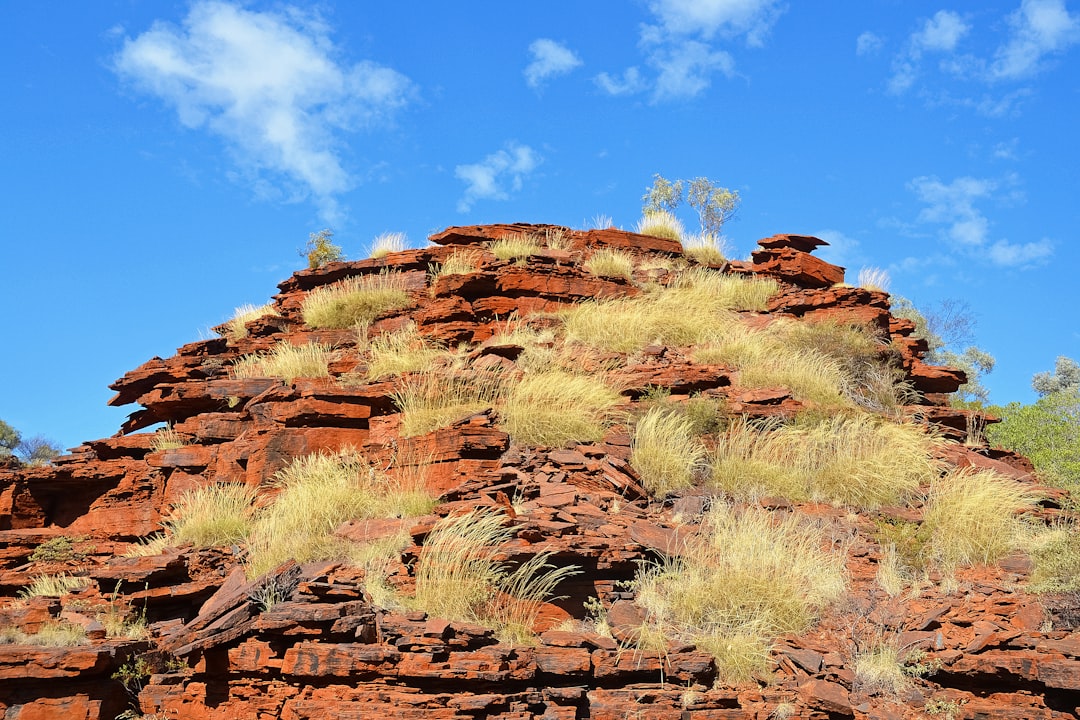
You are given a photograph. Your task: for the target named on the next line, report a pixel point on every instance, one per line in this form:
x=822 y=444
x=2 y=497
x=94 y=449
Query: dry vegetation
x=355 y=300
x=285 y=361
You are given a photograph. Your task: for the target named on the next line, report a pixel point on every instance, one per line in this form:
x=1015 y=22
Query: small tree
x=1047 y=432
x=1066 y=376
x=9 y=440
x=664 y=195
x=320 y=250
x=715 y=205
x=37 y=450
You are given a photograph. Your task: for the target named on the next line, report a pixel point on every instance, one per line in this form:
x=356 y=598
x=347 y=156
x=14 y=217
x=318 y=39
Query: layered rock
x=328 y=649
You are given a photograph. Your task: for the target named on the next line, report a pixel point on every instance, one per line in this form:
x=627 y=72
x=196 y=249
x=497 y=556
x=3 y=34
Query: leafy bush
x=354 y=300
x=665 y=452
x=744 y=580
x=285 y=361
x=1047 y=432
x=321 y=251
x=57 y=549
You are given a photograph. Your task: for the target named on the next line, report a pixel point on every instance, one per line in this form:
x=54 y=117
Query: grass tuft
x=53 y=586
x=611 y=263
x=211 y=516
x=402 y=351
x=355 y=300
x=554 y=407
x=236 y=328
x=744 y=580
x=857 y=460
x=167 y=439
x=665 y=452
x=434 y=400
x=876 y=279
x=285 y=361
x=660 y=223
x=705 y=249
x=386 y=243
x=517 y=247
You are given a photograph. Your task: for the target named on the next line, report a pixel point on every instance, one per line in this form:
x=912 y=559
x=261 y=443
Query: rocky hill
x=587 y=409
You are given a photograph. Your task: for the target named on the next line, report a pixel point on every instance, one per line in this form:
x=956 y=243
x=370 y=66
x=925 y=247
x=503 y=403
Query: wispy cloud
x=1039 y=28
x=868 y=43
x=489 y=178
x=681 y=45
x=271 y=86
x=939 y=34
x=549 y=59
x=954 y=209
x=842 y=250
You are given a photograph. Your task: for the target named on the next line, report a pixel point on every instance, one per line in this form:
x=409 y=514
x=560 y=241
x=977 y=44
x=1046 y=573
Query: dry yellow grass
x=660 y=223
x=705 y=249
x=402 y=351
x=285 y=361
x=434 y=400
x=746 y=579
x=386 y=243
x=355 y=300
x=236 y=328
x=609 y=262
x=665 y=452
x=213 y=515
x=517 y=247
x=555 y=407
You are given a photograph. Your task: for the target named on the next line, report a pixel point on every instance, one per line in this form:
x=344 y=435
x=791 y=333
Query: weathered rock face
x=327 y=649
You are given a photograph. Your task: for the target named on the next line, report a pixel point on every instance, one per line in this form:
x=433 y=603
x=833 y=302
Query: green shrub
x=321 y=251
x=57 y=549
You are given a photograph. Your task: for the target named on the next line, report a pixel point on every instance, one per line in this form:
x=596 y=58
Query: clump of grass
x=744 y=580
x=459 y=578
x=516 y=247
x=660 y=223
x=665 y=451
x=50 y=634
x=705 y=249
x=355 y=300
x=401 y=351
x=609 y=262
x=880 y=669
x=154 y=544
x=53 y=586
x=386 y=243
x=695 y=308
x=973 y=517
x=432 y=401
x=167 y=439
x=213 y=515
x=555 y=407
x=319 y=492
x=285 y=361
x=236 y=328
x=872 y=278
x=459 y=262
x=855 y=460
x=1056 y=553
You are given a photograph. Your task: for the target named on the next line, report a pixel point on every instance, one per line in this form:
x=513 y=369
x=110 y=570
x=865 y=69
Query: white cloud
x=952 y=206
x=1022 y=255
x=728 y=18
x=685 y=69
x=630 y=83
x=487 y=179
x=940 y=33
x=269 y=84
x=841 y=250
x=1038 y=28
x=549 y=59
x=868 y=44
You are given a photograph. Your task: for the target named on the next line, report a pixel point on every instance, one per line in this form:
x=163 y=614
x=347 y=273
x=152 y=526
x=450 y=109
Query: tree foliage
x=949 y=328
x=1065 y=376
x=1047 y=432
x=9 y=440
x=35 y=450
x=714 y=205
x=321 y=251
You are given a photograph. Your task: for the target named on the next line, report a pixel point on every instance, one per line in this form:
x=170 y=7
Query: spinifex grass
x=660 y=223
x=434 y=400
x=745 y=579
x=554 y=407
x=459 y=577
x=211 y=515
x=285 y=361
x=354 y=300
x=857 y=460
x=665 y=452
x=609 y=262
x=236 y=328
x=401 y=351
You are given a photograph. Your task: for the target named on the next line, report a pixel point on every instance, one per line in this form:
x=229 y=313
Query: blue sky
x=162 y=163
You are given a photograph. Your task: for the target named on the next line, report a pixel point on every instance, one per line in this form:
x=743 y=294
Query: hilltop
x=529 y=471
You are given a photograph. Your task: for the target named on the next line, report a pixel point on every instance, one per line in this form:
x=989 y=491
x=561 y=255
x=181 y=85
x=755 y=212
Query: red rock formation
x=328 y=650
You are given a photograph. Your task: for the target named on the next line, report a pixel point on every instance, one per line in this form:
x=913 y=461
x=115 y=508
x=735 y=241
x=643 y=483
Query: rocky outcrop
x=326 y=648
